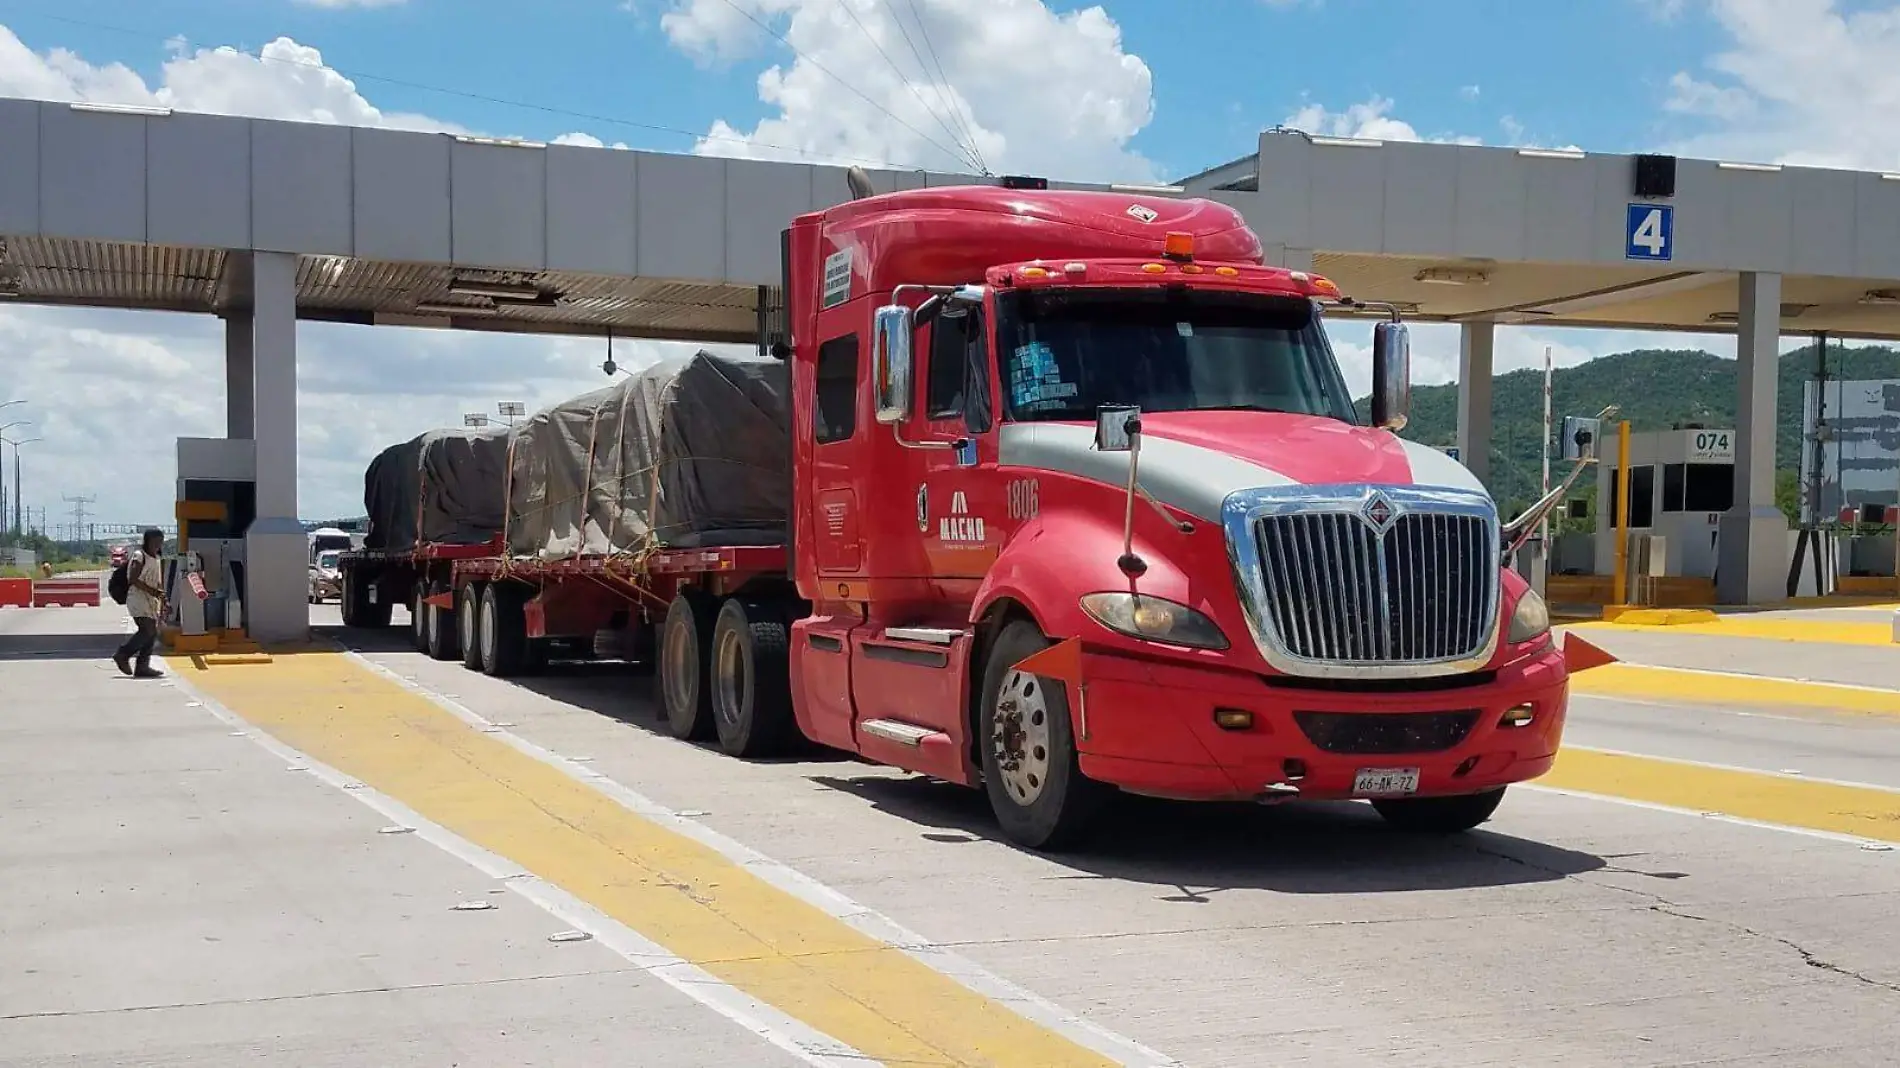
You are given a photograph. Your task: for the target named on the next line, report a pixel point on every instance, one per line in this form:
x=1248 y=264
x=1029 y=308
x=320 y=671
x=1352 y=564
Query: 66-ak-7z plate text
x=1385 y=782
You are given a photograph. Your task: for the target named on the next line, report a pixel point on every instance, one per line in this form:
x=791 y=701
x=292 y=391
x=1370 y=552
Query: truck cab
x=1082 y=502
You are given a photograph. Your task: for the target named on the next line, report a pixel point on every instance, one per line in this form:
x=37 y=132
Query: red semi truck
x=1080 y=501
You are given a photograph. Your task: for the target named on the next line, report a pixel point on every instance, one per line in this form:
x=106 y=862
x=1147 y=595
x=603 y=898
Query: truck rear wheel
x=504 y=630
x=751 y=679
x=685 y=698
x=445 y=635
x=468 y=621
x=346 y=597
x=1440 y=815
x=1030 y=768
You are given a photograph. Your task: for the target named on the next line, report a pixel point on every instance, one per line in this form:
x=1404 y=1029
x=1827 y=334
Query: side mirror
x=1115 y=427
x=1391 y=375
x=891 y=332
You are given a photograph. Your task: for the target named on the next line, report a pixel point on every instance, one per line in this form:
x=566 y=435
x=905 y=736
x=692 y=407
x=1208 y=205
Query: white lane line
x=860 y=917
x=794 y=1037
x=1873 y=845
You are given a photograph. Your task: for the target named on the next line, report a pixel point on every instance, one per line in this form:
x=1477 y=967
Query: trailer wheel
x=468 y=621
x=445 y=634
x=1439 y=815
x=504 y=630
x=371 y=615
x=1030 y=771
x=346 y=598
x=419 y=617
x=751 y=679
x=685 y=698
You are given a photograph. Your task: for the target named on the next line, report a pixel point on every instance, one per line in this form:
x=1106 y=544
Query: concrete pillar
x=239 y=375
x=1752 y=567
x=276 y=549
x=1475 y=343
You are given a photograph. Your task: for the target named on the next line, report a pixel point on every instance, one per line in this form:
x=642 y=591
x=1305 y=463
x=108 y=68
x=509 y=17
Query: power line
x=483 y=98
x=828 y=73
x=943 y=80
x=969 y=150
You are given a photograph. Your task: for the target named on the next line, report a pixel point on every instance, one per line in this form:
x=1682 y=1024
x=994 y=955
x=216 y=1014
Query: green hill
x=1654 y=388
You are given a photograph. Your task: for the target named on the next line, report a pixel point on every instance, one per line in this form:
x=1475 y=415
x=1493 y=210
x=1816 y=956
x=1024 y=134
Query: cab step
x=895 y=730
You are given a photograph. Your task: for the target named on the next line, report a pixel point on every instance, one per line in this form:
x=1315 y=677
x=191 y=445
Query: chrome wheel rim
x=1019 y=737
x=730 y=680
x=676 y=663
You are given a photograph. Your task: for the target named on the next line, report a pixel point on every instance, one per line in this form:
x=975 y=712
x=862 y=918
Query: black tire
x=750 y=678
x=367 y=613
x=468 y=622
x=445 y=636
x=1060 y=807
x=346 y=601
x=1440 y=815
x=504 y=630
x=681 y=687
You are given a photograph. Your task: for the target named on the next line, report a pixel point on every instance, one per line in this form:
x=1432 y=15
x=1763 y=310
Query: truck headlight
x=1153 y=619
x=1532 y=618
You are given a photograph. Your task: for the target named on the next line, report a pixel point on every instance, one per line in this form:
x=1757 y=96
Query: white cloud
x=107 y=391
x=1470 y=92
x=927 y=84
x=1803 y=82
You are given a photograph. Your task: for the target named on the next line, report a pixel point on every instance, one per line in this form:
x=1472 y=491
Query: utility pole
x=79 y=515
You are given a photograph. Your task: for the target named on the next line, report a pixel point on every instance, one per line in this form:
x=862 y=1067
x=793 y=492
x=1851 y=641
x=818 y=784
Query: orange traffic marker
x=1580 y=655
x=1062 y=660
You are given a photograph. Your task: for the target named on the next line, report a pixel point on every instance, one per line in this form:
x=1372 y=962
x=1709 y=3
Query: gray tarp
x=447 y=487
x=689 y=452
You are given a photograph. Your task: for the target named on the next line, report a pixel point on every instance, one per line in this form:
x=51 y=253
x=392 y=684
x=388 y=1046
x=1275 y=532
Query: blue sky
x=1120 y=90
x=1222 y=69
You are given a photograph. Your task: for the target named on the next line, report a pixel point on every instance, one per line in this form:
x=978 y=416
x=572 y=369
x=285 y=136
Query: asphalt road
x=264 y=868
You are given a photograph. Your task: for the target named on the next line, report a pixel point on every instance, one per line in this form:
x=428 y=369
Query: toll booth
x=216 y=502
x=1681 y=481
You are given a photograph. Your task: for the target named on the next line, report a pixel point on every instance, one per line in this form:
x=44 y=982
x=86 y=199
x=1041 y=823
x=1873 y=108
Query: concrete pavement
x=1567 y=931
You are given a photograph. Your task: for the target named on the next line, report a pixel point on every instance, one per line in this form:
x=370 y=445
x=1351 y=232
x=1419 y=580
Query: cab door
x=963 y=510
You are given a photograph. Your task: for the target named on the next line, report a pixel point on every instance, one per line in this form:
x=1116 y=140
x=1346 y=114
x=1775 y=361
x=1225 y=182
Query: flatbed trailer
x=376 y=580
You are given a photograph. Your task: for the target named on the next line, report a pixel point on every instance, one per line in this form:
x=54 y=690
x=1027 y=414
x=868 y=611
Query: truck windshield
x=1065 y=352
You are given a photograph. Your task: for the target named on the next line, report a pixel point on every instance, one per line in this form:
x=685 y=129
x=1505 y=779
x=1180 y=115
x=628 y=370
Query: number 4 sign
x=1649 y=233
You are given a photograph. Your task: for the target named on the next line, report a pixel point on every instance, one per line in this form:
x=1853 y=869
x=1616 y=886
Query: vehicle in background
x=1077 y=500
x=324 y=539
x=326 y=576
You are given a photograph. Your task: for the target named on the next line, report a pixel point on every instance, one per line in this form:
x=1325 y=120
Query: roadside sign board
x=1649 y=233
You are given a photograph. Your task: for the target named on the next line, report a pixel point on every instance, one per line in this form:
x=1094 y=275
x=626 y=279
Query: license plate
x=1385 y=782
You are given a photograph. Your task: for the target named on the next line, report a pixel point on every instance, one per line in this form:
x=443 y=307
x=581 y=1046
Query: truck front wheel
x=1440 y=815
x=751 y=679
x=1024 y=733
x=685 y=641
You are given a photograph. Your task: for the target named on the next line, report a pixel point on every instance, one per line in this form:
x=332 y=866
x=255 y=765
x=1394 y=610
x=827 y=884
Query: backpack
x=119 y=584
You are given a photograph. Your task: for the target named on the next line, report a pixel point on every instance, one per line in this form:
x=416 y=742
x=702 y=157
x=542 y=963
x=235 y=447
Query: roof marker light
x=1191 y=268
x=1076 y=267
x=1227 y=272
x=1034 y=272
x=1153 y=268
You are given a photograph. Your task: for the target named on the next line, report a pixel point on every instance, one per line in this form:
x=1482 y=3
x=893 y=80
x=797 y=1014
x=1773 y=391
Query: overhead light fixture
x=1881 y=297
x=1347 y=142
x=1734 y=165
x=1451 y=276
x=1552 y=153
x=522 y=291
x=436 y=307
x=120 y=109
x=499 y=142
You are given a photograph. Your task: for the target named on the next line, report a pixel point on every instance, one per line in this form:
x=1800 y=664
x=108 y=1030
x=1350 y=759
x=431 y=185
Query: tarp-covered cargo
x=445 y=487
x=691 y=452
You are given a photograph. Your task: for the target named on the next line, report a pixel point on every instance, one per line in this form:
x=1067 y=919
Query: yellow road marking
x=1748 y=691
x=1820 y=632
x=679 y=893
x=1820 y=806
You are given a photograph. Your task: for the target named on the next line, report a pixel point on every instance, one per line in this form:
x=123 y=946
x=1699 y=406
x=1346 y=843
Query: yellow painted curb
x=1629 y=616
x=1677 y=686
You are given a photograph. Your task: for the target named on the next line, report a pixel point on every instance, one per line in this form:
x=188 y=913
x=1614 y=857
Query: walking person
x=145 y=602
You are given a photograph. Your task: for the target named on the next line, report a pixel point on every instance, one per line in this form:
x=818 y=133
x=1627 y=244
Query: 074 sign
x=1711 y=445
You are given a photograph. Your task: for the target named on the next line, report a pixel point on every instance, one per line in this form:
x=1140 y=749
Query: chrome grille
x=1371 y=577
